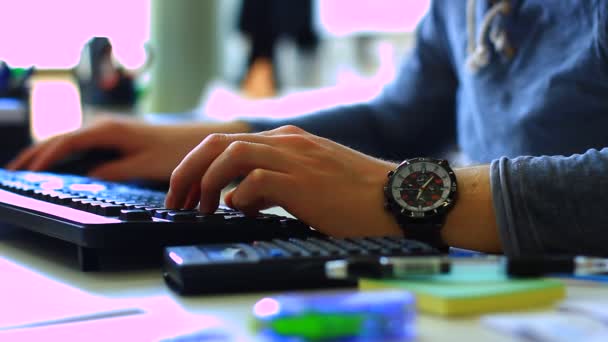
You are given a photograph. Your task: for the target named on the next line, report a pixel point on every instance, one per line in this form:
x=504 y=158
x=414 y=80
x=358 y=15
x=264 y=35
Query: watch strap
x=428 y=231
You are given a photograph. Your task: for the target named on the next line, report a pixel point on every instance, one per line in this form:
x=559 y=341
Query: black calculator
x=279 y=264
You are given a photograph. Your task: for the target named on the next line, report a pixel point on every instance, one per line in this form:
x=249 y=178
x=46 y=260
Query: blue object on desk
x=5 y=77
x=343 y=316
x=464 y=253
x=202 y=336
x=601 y=278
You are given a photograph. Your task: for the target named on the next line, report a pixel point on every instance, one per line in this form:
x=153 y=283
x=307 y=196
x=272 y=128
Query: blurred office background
x=193 y=58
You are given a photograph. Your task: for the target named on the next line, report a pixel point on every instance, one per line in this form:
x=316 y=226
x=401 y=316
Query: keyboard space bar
x=51 y=209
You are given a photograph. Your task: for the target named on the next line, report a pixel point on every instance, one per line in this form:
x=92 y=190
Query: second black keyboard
x=95 y=215
x=277 y=264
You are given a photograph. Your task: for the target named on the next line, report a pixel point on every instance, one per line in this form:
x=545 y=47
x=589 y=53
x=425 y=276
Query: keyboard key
x=211 y=218
x=65 y=199
x=367 y=245
x=239 y=219
x=329 y=247
x=109 y=209
x=81 y=203
x=291 y=248
x=161 y=213
x=309 y=247
x=348 y=246
x=127 y=204
x=225 y=210
x=270 y=250
x=181 y=216
x=232 y=253
x=134 y=215
x=93 y=207
x=387 y=244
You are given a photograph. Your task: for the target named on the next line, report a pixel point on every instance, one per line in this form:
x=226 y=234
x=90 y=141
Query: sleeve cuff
x=516 y=236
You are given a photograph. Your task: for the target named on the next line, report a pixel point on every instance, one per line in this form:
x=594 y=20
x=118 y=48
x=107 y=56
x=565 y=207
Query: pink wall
x=50 y=33
x=342 y=17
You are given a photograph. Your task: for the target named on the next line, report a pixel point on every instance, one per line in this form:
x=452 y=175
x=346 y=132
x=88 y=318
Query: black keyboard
x=99 y=216
x=292 y=263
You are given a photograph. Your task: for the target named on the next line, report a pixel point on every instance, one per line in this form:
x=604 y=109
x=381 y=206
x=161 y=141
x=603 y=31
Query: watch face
x=422 y=187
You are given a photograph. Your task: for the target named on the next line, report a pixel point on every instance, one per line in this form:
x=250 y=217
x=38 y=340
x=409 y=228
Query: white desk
x=58 y=264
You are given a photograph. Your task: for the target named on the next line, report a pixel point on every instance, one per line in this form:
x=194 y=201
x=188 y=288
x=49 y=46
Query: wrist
x=383 y=221
x=366 y=215
x=472 y=222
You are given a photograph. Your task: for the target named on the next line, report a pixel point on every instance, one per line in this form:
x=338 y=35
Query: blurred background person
x=264 y=23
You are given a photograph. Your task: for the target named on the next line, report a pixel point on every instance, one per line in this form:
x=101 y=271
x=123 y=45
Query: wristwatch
x=419 y=193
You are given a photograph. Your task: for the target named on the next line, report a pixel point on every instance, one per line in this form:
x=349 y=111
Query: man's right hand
x=148 y=152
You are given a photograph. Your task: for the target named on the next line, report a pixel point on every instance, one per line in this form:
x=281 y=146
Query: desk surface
x=55 y=262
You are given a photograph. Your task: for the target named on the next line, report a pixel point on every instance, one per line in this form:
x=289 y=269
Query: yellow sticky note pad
x=473 y=289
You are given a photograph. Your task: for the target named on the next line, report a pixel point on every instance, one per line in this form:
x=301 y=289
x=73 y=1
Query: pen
x=387 y=267
x=534 y=266
x=516 y=267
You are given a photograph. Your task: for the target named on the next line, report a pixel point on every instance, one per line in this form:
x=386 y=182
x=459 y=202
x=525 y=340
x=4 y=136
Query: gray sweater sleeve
x=552 y=204
x=414 y=115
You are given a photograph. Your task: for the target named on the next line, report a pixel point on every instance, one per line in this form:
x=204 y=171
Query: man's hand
x=330 y=187
x=148 y=152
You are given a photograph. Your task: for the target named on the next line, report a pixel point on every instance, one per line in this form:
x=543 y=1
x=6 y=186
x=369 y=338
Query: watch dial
x=421 y=186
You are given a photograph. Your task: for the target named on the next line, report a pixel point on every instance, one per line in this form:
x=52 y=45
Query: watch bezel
x=392 y=205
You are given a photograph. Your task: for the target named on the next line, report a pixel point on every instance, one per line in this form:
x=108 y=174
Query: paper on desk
x=163 y=319
x=549 y=326
x=596 y=309
x=29 y=299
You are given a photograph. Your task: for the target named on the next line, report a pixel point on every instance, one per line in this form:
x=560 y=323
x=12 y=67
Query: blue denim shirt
x=553 y=204
x=532 y=82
